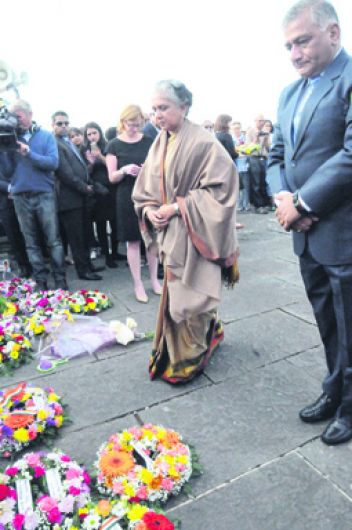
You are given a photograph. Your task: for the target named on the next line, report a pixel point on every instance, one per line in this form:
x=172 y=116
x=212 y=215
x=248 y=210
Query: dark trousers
x=257 y=170
x=36 y=212
x=15 y=238
x=329 y=289
x=72 y=222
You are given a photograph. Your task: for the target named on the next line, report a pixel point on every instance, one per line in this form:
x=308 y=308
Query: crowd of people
x=174 y=184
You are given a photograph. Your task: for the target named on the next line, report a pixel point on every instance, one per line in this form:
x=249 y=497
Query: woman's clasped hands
x=160 y=218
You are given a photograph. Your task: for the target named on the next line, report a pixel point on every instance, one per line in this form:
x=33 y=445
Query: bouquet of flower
x=88 y=302
x=16 y=288
x=27 y=415
x=147 y=463
x=248 y=149
x=50 y=488
x=123 y=515
x=15 y=349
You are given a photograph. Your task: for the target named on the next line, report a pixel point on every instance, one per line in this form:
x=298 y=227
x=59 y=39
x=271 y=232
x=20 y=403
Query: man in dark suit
x=310 y=172
x=72 y=190
x=151 y=128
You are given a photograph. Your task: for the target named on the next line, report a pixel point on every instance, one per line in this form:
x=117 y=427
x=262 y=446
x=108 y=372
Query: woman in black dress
x=124 y=158
x=104 y=208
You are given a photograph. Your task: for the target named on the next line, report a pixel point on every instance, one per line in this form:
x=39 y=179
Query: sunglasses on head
x=61 y=123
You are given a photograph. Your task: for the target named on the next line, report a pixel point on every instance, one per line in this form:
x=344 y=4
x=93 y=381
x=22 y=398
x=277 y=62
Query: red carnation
x=157 y=521
x=4 y=492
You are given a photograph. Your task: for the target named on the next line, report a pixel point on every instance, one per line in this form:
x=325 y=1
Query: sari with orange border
x=192 y=169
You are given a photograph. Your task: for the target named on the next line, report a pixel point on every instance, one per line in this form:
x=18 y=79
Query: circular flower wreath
x=130 y=516
x=143 y=463
x=88 y=302
x=72 y=492
x=28 y=414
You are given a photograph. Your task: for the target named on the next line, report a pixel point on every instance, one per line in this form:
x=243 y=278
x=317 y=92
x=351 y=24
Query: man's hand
x=304 y=224
x=286 y=213
x=23 y=148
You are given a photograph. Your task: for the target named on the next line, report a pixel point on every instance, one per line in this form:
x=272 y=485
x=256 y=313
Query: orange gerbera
x=104 y=507
x=156 y=482
x=116 y=463
x=171 y=438
x=16 y=421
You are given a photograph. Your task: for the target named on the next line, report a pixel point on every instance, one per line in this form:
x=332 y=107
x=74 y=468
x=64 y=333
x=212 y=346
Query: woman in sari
x=185 y=199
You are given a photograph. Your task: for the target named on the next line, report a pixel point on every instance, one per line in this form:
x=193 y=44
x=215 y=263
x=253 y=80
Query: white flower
x=124 y=334
x=6 y=511
x=119 y=509
x=131 y=323
x=92 y=521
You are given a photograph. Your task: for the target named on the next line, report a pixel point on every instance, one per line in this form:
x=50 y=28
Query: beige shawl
x=203 y=180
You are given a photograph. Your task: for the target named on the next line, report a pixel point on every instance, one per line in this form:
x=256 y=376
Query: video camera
x=8 y=130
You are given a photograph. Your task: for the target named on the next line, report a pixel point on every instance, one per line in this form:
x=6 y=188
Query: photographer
x=32 y=188
x=8 y=217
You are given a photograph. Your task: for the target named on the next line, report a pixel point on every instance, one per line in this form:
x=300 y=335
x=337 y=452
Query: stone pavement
x=263 y=468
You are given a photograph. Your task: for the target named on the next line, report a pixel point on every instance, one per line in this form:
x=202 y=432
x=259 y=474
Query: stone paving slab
x=312 y=362
x=301 y=310
x=107 y=389
x=241 y=423
x=259 y=340
x=256 y=296
x=333 y=462
x=286 y=494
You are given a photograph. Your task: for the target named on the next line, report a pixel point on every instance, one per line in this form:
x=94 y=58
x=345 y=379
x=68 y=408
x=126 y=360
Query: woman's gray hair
x=323 y=13
x=175 y=91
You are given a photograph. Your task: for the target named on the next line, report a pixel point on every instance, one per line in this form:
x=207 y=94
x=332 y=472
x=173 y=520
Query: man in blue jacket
x=32 y=188
x=310 y=172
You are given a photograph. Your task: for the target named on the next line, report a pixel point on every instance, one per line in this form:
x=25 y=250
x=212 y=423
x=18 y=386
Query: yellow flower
x=16 y=347
x=42 y=414
x=92 y=305
x=73 y=528
x=27 y=343
x=14 y=354
x=146 y=475
x=40 y=428
x=129 y=490
x=21 y=435
x=58 y=421
x=136 y=512
x=25 y=396
x=39 y=329
x=82 y=511
x=53 y=397
x=183 y=459
x=76 y=308
x=173 y=473
x=68 y=315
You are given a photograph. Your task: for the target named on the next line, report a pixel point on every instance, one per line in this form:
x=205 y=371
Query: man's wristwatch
x=297 y=204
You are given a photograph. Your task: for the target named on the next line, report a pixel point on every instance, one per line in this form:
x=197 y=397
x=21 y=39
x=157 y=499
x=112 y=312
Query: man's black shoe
x=338 y=431
x=94 y=268
x=111 y=263
x=323 y=408
x=120 y=257
x=90 y=276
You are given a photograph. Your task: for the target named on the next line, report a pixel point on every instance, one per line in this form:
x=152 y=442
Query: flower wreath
x=16 y=288
x=15 y=349
x=143 y=463
x=49 y=488
x=124 y=515
x=28 y=414
x=88 y=302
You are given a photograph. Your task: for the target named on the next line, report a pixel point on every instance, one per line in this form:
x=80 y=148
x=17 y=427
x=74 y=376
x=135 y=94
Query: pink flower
x=74 y=491
x=33 y=459
x=43 y=302
x=54 y=516
x=39 y=471
x=167 y=484
x=65 y=458
x=118 y=488
x=12 y=471
x=142 y=493
x=86 y=477
x=72 y=473
x=18 y=521
x=46 y=503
